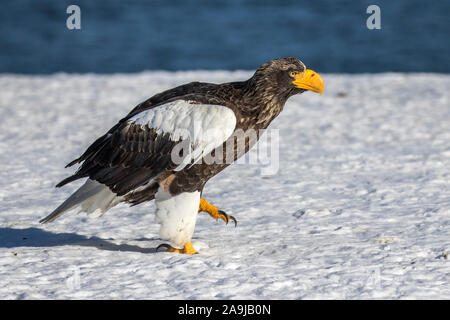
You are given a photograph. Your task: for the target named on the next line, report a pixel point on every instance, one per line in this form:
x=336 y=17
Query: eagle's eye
x=293 y=73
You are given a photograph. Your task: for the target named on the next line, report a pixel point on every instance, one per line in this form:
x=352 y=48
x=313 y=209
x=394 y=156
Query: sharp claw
x=234 y=220
x=164 y=245
x=224 y=215
x=227 y=217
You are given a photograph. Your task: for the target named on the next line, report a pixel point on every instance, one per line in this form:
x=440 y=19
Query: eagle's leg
x=214 y=212
x=188 y=248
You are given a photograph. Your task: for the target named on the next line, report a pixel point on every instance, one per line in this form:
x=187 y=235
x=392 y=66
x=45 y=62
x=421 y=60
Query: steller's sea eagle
x=156 y=151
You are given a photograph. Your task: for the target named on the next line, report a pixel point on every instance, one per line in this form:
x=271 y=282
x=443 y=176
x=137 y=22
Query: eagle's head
x=285 y=77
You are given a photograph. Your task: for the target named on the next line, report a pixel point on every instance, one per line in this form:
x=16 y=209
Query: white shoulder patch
x=205 y=126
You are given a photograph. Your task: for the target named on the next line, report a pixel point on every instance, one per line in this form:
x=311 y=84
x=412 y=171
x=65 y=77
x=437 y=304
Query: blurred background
x=138 y=35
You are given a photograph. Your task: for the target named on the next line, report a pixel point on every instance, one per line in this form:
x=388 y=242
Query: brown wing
x=127 y=158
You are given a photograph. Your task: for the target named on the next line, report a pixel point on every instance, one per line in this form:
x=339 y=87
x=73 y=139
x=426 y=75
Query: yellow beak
x=309 y=80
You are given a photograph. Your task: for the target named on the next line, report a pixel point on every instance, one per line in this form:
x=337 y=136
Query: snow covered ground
x=360 y=206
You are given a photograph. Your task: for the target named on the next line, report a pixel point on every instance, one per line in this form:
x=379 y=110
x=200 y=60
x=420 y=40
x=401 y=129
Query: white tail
x=94 y=198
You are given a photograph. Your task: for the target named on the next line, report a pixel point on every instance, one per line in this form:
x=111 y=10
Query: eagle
x=159 y=151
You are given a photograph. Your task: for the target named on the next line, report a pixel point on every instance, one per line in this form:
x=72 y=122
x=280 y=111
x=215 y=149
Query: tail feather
x=69 y=179
x=92 y=196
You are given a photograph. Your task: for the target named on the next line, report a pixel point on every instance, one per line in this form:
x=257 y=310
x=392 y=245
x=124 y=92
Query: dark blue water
x=132 y=36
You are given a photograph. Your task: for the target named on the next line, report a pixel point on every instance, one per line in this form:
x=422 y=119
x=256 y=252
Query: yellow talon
x=214 y=212
x=188 y=248
x=207 y=207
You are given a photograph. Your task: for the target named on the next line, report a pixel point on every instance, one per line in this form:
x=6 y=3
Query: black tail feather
x=69 y=179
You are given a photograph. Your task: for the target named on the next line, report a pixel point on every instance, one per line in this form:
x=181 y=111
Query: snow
x=359 y=208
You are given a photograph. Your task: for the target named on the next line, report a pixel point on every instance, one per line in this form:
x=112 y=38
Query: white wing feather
x=205 y=126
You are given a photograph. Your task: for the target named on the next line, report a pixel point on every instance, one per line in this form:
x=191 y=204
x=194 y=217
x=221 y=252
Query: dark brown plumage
x=134 y=161
x=113 y=160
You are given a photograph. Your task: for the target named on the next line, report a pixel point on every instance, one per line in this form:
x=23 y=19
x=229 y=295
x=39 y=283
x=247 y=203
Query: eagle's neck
x=261 y=102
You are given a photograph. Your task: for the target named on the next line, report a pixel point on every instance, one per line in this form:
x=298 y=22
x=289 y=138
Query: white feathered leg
x=177 y=215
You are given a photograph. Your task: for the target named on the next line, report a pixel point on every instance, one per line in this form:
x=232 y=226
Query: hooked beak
x=309 y=80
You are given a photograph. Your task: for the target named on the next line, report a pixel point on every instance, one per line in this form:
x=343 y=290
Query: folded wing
x=169 y=136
